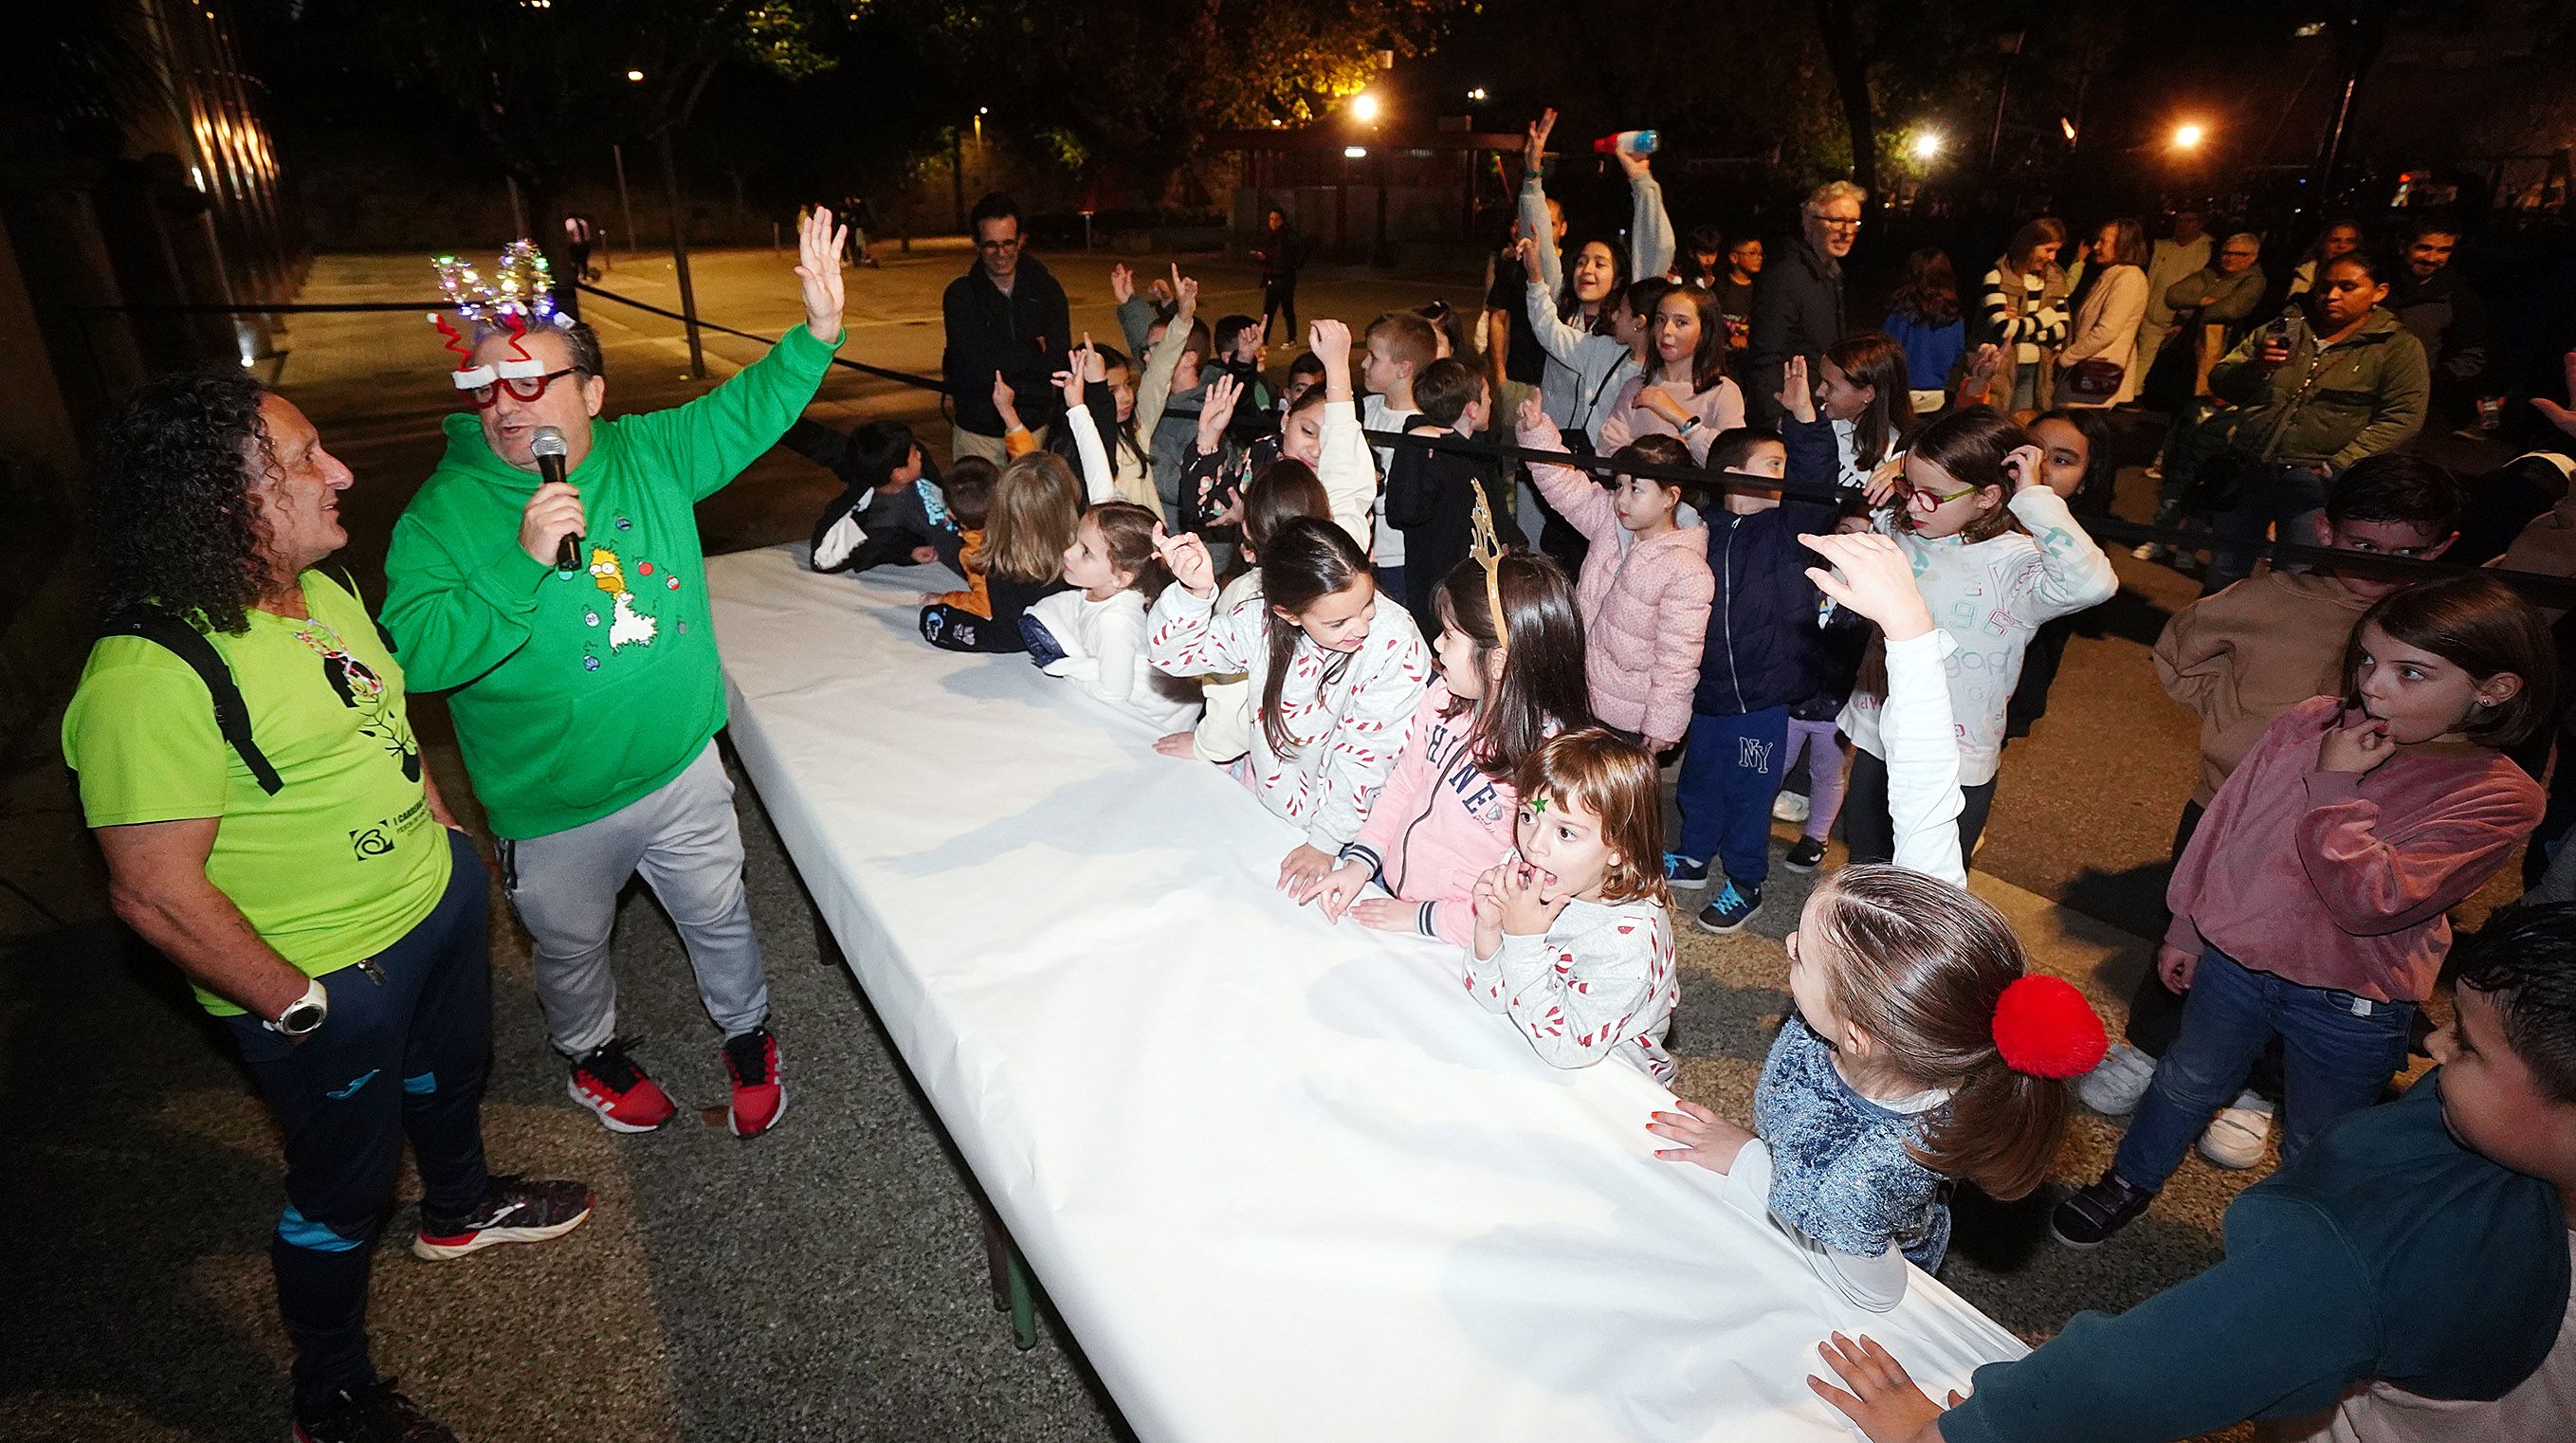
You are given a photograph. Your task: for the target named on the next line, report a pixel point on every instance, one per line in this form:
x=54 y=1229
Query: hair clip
x=1487 y=548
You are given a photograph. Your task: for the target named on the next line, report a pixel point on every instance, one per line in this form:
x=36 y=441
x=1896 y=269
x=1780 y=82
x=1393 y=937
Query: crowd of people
x=1728 y=531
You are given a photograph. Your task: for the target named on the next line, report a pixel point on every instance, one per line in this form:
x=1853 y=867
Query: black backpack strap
x=360 y=597
x=232 y=715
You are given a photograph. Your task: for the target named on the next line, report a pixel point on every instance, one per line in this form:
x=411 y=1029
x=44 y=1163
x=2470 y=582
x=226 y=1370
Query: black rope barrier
x=2535 y=585
x=927 y=383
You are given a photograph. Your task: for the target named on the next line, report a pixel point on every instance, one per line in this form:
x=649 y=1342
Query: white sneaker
x=1789 y=807
x=2236 y=1136
x=2115 y=1086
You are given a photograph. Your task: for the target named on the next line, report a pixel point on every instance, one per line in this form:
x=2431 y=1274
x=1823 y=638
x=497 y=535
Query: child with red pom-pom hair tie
x=1920 y=1052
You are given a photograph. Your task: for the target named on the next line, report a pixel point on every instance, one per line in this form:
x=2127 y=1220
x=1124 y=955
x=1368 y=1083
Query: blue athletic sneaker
x=1729 y=910
x=1684 y=875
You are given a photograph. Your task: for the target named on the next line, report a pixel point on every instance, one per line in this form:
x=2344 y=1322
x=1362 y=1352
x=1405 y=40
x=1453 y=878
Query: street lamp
x=1927 y=144
x=1477 y=95
x=1364 y=107
x=635 y=75
x=1354 y=152
x=2189 y=135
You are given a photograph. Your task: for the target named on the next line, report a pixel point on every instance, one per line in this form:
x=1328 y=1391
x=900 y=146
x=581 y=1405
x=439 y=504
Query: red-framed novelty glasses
x=521 y=388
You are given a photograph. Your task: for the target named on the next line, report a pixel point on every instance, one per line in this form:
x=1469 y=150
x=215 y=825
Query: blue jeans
x=1730 y=772
x=2338 y=1052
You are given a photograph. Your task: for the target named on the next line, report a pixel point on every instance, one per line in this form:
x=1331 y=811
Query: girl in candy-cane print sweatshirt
x=1571 y=941
x=1337 y=675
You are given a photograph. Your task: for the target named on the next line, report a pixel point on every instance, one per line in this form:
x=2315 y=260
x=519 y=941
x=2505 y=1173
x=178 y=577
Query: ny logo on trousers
x=1753 y=754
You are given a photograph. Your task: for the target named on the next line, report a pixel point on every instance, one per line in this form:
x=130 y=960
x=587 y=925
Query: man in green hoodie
x=587 y=698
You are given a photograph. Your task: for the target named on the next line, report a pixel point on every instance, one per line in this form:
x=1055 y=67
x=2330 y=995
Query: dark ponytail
x=1304 y=562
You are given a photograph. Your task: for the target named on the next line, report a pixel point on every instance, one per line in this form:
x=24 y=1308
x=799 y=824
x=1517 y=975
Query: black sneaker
x=373 y=1414
x=1729 y=910
x=2088 y=1216
x=1805 y=855
x=514 y=1210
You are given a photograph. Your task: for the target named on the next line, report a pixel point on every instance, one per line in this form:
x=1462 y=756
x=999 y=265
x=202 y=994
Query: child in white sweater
x=1337 y=677
x=1987 y=585
x=1093 y=633
x=1572 y=941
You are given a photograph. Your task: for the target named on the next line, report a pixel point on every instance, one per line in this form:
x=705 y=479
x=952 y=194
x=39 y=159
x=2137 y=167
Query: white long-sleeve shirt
x=1599 y=364
x=1104 y=654
x=1347 y=713
x=1377 y=415
x=1099 y=479
x=1598 y=983
x=1991 y=596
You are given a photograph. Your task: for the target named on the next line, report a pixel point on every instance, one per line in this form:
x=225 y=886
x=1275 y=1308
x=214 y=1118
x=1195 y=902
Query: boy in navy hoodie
x=1760 y=656
x=890 y=511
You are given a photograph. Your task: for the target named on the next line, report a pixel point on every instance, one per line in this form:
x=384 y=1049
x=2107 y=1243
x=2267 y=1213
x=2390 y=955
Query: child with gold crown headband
x=1509 y=658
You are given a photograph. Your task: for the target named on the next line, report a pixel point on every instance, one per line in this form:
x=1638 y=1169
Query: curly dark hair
x=171 y=515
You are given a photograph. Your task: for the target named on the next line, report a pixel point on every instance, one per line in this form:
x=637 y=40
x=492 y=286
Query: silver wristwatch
x=304 y=1014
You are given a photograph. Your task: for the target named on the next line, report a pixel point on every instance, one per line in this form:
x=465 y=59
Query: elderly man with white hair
x=1798 y=300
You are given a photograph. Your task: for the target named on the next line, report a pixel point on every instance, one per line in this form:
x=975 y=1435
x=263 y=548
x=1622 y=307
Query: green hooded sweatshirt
x=576 y=693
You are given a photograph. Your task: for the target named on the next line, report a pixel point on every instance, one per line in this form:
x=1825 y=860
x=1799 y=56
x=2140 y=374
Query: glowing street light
x=1477 y=94
x=635 y=75
x=2189 y=135
x=1354 y=152
x=1364 y=107
x=1927 y=144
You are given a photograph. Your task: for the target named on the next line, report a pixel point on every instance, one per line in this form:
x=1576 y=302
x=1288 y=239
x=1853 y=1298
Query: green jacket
x=2328 y=406
x=576 y=693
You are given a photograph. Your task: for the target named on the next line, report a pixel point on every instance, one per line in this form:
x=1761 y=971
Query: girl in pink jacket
x=1645 y=589
x=1511 y=676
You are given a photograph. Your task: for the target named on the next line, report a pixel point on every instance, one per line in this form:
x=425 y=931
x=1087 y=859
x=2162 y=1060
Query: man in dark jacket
x=2429 y=299
x=1759 y=660
x=1798 y=298
x=1007 y=315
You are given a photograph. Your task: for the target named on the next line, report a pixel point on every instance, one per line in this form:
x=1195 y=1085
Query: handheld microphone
x=549 y=449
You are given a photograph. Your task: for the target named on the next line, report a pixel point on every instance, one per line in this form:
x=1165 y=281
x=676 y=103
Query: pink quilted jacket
x=1644 y=601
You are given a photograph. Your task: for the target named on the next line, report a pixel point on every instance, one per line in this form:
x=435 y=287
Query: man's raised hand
x=818 y=273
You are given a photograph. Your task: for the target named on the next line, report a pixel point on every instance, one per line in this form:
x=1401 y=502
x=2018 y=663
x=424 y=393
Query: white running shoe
x=1789 y=807
x=2236 y=1136
x=2115 y=1087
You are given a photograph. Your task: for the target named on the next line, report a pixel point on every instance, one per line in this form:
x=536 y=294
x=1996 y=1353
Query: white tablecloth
x=1282 y=1179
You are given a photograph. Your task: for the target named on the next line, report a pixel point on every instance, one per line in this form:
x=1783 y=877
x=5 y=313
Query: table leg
x=826 y=946
x=1012 y=1292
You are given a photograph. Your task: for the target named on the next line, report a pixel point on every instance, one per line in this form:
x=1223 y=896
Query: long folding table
x=1281 y=1179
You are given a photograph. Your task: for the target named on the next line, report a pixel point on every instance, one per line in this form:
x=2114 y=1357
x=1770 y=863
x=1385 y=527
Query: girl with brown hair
x=1510 y=658
x=2312 y=903
x=1571 y=938
x=1863 y=388
x=1921 y=1051
x=1092 y=633
x=1339 y=672
x=1951 y=507
x=1035 y=507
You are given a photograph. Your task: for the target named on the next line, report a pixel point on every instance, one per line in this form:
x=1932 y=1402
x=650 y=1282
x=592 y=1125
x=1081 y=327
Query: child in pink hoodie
x=1645 y=589
x=1507 y=683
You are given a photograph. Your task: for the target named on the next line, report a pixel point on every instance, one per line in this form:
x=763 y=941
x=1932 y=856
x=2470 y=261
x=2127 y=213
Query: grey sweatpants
x=686 y=841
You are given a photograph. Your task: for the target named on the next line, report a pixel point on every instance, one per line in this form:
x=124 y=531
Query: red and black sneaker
x=372 y=1414
x=609 y=1082
x=759 y=1096
x=513 y=1210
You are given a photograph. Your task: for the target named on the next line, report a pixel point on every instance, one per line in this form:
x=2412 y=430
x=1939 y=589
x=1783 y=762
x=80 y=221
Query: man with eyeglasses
x=587 y=697
x=1798 y=299
x=1005 y=316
